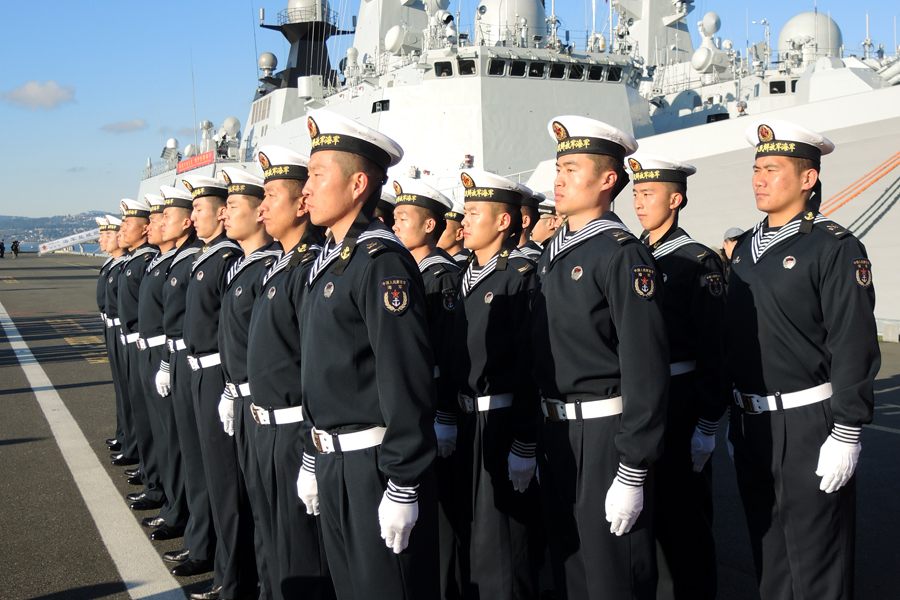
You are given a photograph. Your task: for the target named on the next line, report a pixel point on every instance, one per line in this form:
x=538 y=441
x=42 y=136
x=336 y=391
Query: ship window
x=467 y=67
x=443 y=69
x=756 y=91
x=518 y=68
x=576 y=72
x=496 y=67
x=793 y=86
x=381 y=106
x=716 y=117
x=557 y=71
x=614 y=74
x=595 y=73
x=536 y=69
x=777 y=87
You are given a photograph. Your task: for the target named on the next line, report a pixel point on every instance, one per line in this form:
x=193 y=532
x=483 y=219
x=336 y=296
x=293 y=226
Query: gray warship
x=478 y=90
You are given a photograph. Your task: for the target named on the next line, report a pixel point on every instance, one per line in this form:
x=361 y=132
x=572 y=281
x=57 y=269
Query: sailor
x=367 y=376
x=109 y=226
x=452 y=239
x=384 y=210
x=693 y=305
x=290 y=530
x=530 y=217
x=173 y=515
x=491 y=364
x=235 y=577
x=127 y=454
x=602 y=365
x=802 y=353
x=173 y=383
x=547 y=224
x=419 y=223
x=243 y=224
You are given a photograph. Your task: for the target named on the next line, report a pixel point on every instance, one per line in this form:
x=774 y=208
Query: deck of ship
x=68 y=534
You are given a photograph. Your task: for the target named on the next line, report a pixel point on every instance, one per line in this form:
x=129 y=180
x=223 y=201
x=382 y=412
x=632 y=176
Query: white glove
x=446 y=438
x=702 y=446
x=624 y=504
x=226 y=412
x=397 y=520
x=837 y=463
x=521 y=470
x=308 y=491
x=163 y=379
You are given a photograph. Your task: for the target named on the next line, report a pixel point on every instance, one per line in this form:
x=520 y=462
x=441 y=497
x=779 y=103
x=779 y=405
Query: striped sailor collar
x=211 y=247
x=765 y=238
x=270 y=250
x=144 y=248
x=438 y=256
x=564 y=240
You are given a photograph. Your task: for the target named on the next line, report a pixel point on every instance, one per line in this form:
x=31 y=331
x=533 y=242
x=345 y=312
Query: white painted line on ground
x=142 y=570
x=882 y=428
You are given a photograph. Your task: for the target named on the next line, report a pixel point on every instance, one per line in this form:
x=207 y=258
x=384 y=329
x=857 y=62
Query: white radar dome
x=172 y=143
x=499 y=20
x=711 y=23
x=267 y=60
x=231 y=125
x=829 y=40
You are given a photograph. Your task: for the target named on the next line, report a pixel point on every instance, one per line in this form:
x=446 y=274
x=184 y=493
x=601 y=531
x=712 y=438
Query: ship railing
x=157 y=169
x=306 y=15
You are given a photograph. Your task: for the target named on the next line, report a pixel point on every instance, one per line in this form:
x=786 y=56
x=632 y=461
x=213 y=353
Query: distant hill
x=44 y=229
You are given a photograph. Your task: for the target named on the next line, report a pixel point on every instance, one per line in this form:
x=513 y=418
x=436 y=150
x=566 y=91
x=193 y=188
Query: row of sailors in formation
x=418 y=411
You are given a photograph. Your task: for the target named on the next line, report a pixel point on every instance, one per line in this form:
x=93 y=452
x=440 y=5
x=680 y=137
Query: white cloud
x=35 y=94
x=125 y=126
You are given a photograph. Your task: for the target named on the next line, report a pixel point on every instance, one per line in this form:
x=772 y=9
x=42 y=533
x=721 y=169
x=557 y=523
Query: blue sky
x=89 y=91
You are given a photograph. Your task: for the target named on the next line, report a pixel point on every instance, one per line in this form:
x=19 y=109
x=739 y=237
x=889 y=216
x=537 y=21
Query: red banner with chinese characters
x=194 y=162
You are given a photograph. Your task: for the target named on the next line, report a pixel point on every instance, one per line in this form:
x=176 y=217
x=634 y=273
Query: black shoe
x=146 y=504
x=132 y=472
x=136 y=496
x=210 y=593
x=192 y=567
x=122 y=461
x=114 y=447
x=153 y=522
x=136 y=480
x=167 y=533
x=176 y=556
x=111 y=441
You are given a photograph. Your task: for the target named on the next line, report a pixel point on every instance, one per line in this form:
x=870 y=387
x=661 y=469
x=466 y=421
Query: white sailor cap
x=417 y=193
x=173 y=196
x=113 y=223
x=330 y=131
x=580 y=135
x=482 y=186
x=651 y=167
x=547 y=206
x=102 y=222
x=243 y=182
x=134 y=208
x=198 y=186
x=156 y=203
x=278 y=162
x=781 y=138
x=456 y=212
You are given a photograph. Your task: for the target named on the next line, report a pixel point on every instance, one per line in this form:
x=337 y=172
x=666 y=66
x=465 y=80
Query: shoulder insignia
x=448 y=299
x=715 y=284
x=269 y=261
x=622 y=236
x=374 y=246
x=439 y=271
x=834 y=229
x=308 y=257
x=147 y=257
x=863 y=272
x=702 y=254
x=526 y=268
x=395 y=295
x=643 y=281
x=226 y=255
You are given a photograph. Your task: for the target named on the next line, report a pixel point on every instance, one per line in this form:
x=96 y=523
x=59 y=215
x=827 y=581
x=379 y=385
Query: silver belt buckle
x=261 y=416
x=556 y=411
x=122 y=339
x=233 y=389
x=466 y=403
x=195 y=364
x=141 y=344
x=747 y=402
x=170 y=344
x=324 y=443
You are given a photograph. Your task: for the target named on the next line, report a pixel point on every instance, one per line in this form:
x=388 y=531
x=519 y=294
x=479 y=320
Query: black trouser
x=129 y=447
x=299 y=568
x=235 y=563
x=803 y=539
x=577 y=467
x=351 y=488
x=684 y=506
x=165 y=439
x=245 y=441
x=447 y=474
x=498 y=526
x=143 y=432
x=134 y=450
x=200 y=536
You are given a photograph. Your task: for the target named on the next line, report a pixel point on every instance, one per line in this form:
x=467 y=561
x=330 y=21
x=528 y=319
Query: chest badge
x=577 y=272
x=488 y=297
x=643 y=281
x=395 y=295
x=329 y=289
x=665 y=278
x=449 y=299
x=200 y=276
x=737 y=259
x=110 y=279
x=271 y=293
x=174 y=281
x=238 y=291
x=789 y=262
x=128 y=273
x=156 y=273
x=863 y=272
x=544 y=271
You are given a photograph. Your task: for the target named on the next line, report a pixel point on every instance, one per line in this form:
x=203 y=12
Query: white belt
x=203 y=362
x=241 y=390
x=326 y=443
x=128 y=339
x=752 y=403
x=276 y=416
x=483 y=403
x=116 y=322
x=557 y=410
x=109 y=323
x=153 y=342
x=437 y=371
x=175 y=345
x=680 y=368
x=103 y=317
